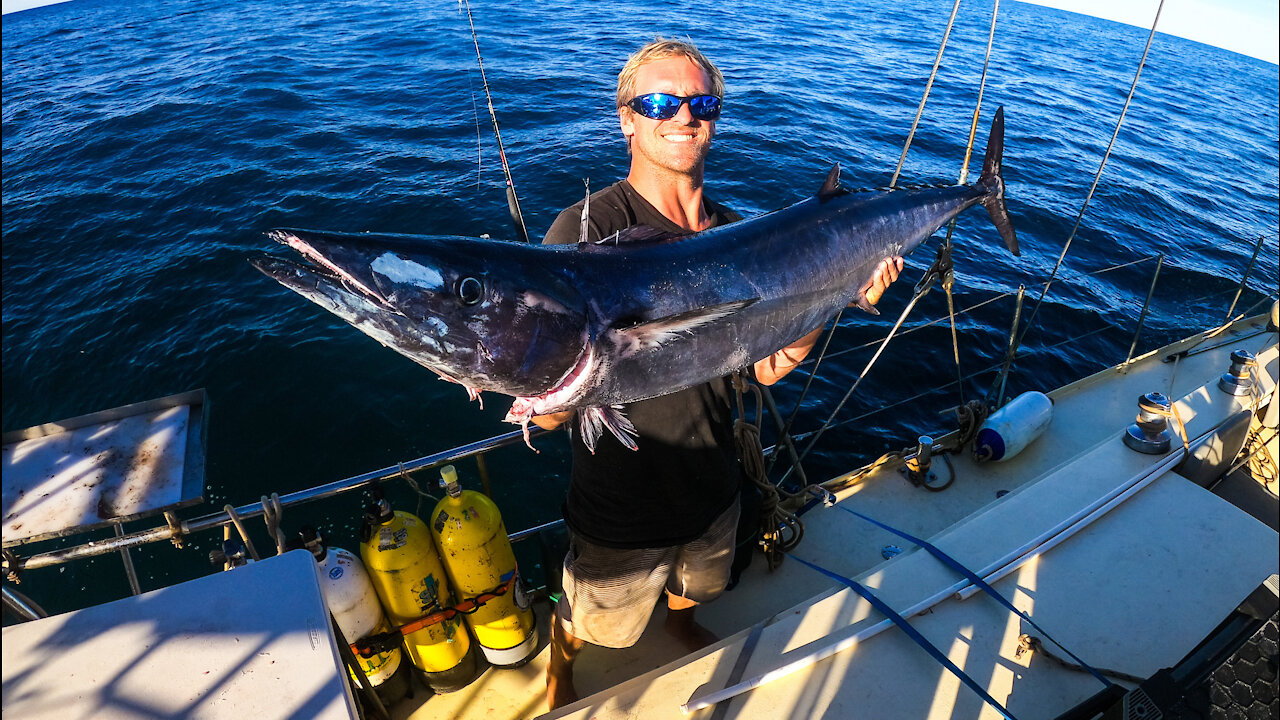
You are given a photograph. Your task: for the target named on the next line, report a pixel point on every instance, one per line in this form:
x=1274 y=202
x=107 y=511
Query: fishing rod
x=513 y=203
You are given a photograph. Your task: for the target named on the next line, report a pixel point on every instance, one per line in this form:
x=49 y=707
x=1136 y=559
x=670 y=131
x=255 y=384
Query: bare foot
x=681 y=625
x=564 y=650
x=560 y=690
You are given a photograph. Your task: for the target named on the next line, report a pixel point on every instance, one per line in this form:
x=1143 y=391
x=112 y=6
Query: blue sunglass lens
x=662 y=106
x=705 y=107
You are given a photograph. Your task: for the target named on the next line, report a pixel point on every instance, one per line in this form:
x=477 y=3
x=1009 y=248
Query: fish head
x=479 y=312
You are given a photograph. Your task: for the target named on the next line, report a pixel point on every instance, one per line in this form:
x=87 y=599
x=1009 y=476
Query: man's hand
x=552 y=421
x=885 y=275
x=771 y=369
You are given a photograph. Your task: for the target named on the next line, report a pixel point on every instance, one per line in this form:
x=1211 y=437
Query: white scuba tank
x=1013 y=427
x=352 y=601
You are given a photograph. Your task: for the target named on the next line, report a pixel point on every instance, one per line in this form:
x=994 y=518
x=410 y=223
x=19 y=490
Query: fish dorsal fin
x=648 y=334
x=831 y=186
x=635 y=235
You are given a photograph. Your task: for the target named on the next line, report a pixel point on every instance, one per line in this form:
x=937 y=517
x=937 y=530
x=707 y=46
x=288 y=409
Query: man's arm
x=772 y=369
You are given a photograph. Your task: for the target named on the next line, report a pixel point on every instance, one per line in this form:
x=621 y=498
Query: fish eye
x=470 y=290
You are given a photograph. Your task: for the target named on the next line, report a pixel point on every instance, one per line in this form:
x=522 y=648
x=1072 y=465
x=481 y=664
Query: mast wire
x=1098 y=176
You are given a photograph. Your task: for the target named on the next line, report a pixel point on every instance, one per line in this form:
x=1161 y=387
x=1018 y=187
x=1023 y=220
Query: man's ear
x=626 y=121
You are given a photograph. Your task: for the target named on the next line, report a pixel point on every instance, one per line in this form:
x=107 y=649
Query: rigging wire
x=1097 y=177
x=937 y=62
x=513 y=203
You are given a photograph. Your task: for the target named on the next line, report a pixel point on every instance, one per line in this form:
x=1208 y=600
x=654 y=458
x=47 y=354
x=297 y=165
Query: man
x=662 y=517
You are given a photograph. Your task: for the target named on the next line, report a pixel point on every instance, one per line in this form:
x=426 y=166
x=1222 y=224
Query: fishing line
x=927 y=87
x=513 y=203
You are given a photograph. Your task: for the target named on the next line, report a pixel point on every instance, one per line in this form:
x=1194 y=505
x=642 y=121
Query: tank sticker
x=391 y=540
x=441 y=519
x=518 y=594
x=428 y=593
x=335 y=573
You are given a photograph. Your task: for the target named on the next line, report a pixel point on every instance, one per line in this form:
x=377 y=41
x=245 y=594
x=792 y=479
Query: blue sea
x=147 y=147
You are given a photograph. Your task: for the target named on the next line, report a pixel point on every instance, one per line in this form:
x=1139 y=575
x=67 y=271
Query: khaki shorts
x=609 y=593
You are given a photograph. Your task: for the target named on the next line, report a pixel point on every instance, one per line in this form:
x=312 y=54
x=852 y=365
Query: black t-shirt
x=685 y=472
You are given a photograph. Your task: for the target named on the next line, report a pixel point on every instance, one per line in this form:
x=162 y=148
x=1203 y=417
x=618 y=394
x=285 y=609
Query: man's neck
x=677 y=197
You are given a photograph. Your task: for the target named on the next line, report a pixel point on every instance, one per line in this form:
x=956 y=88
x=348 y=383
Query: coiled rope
x=780 y=530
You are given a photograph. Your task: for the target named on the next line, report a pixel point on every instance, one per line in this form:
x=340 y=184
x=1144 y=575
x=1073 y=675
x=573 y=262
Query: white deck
x=1134 y=592
x=253 y=643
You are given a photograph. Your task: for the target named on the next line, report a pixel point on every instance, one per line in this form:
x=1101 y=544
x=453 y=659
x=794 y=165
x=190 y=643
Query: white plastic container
x=1013 y=427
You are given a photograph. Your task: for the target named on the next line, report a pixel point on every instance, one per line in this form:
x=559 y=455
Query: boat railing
x=176 y=530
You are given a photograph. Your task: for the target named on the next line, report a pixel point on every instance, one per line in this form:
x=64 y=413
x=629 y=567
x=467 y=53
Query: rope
x=1262 y=465
x=417 y=510
x=780 y=530
x=969 y=419
x=272 y=514
x=244 y=534
x=12 y=566
x=373 y=644
x=1030 y=643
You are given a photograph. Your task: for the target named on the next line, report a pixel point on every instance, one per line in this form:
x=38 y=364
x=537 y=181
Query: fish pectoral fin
x=864 y=304
x=593 y=421
x=831 y=186
x=649 y=334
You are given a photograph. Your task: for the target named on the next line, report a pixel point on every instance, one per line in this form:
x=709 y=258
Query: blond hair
x=660 y=49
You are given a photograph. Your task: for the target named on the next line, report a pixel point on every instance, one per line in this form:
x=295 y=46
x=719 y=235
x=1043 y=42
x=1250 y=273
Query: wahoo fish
x=637 y=315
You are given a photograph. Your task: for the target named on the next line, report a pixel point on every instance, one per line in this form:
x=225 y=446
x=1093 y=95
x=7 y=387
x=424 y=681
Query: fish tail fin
x=993 y=182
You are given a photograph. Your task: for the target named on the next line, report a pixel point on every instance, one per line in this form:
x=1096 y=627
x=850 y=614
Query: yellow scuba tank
x=477 y=555
x=407 y=575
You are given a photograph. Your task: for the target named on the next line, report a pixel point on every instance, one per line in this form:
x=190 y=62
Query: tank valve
x=232 y=554
x=1237 y=380
x=917 y=468
x=1150 y=432
x=449 y=481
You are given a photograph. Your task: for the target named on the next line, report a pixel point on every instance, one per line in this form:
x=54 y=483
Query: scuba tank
x=351 y=599
x=1011 y=429
x=409 y=579
x=478 y=557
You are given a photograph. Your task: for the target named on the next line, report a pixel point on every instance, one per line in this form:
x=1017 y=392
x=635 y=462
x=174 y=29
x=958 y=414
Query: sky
x=1249 y=27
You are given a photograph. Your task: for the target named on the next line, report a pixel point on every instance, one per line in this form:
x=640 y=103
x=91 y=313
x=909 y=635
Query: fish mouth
x=324 y=268
x=569 y=385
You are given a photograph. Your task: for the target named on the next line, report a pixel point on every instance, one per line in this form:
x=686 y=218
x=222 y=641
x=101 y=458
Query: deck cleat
x=1238 y=380
x=917 y=468
x=1150 y=432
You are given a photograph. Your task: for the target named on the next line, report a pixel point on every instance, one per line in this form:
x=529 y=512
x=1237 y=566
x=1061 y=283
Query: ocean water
x=147 y=147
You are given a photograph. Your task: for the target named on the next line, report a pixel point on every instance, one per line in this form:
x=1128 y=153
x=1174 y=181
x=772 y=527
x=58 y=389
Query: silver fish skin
x=638 y=315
